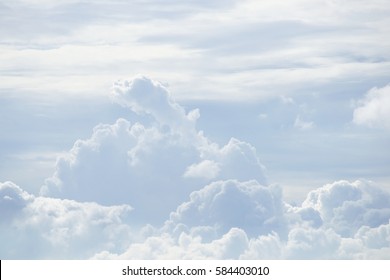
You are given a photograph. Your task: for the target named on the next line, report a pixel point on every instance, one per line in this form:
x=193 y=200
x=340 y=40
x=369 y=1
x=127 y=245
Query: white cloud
x=143 y=95
x=158 y=165
x=124 y=163
x=205 y=169
x=226 y=219
x=213 y=50
x=229 y=246
x=210 y=225
x=308 y=243
x=243 y=50
x=40 y=227
x=12 y=199
x=345 y=207
x=232 y=157
x=159 y=169
x=228 y=204
x=264 y=247
x=374 y=108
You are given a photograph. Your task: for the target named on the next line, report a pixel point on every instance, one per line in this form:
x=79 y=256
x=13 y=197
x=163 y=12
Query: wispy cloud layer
x=224 y=50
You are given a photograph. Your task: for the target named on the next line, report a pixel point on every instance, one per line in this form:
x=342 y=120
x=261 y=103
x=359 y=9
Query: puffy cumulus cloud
x=264 y=247
x=190 y=198
x=367 y=243
x=12 y=199
x=207 y=169
x=230 y=219
x=41 y=227
x=158 y=165
x=237 y=160
x=224 y=220
x=375 y=242
x=124 y=163
x=226 y=162
x=347 y=206
x=143 y=95
x=374 y=109
x=230 y=246
x=228 y=204
x=338 y=221
x=309 y=243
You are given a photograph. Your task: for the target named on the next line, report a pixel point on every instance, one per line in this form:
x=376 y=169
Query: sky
x=151 y=129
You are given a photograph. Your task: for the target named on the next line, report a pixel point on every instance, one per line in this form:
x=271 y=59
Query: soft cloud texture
x=374 y=109
x=230 y=204
x=207 y=169
x=143 y=95
x=157 y=165
x=39 y=227
x=346 y=206
x=198 y=230
x=161 y=189
x=250 y=83
x=226 y=219
x=215 y=50
x=318 y=52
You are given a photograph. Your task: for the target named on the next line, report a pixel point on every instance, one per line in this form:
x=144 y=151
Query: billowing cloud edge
x=209 y=225
x=98 y=202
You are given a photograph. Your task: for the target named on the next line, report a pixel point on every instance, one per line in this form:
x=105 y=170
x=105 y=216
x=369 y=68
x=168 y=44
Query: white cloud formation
x=41 y=227
x=374 y=109
x=150 y=178
x=12 y=199
x=164 y=190
x=199 y=230
x=124 y=163
x=159 y=165
x=221 y=50
x=228 y=204
x=346 y=206
x=143 y=95
x=226 y=219
x=206 y=169
x=229 y=246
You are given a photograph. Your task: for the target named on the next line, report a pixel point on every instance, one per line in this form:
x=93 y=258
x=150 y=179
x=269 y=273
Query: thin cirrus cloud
x=258 y=50
x=126 y=192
